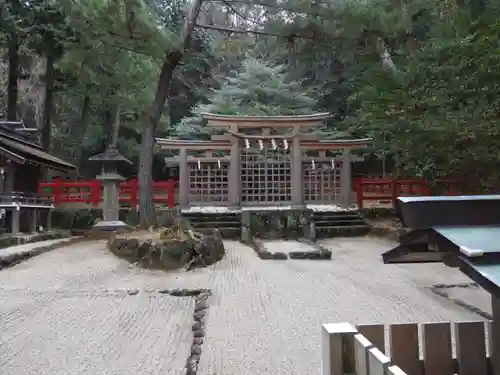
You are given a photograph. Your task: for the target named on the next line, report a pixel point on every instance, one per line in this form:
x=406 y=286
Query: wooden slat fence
x=407 y=349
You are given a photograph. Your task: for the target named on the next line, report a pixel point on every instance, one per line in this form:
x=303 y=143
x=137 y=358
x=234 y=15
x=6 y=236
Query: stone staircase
x=228 y=224
x=339 y=224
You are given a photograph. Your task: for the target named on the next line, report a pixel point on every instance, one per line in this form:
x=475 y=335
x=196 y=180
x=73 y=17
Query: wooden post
x=95 y=193
x=358 y=186
x=56 y=190
x=48 y=222
x=171 y=193
x=134 y=188
x=495 y=335
x=183 y=178
x=34 y=221
x=335 y=338
x=345 y=178
x=297 y=180
x=14 y=228
x=234 y=175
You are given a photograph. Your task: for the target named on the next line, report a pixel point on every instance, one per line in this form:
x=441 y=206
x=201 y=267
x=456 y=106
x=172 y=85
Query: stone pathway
x=76 y=310
x=24 y=248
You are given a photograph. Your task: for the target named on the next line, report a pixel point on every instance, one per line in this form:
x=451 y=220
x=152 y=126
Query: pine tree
x=256 y=90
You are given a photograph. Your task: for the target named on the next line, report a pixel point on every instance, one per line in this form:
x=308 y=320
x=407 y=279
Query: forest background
x=419 y=77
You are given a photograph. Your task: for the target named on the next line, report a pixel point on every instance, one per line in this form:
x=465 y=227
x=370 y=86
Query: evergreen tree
x=256 y=90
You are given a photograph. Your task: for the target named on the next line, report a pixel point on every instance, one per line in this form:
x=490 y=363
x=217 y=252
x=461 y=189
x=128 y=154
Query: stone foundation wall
x=276 y=224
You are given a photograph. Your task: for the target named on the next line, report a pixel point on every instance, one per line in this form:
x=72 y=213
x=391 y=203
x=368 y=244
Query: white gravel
x=67 y=311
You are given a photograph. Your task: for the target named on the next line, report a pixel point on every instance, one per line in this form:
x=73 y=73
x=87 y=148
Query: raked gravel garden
x=81 y=310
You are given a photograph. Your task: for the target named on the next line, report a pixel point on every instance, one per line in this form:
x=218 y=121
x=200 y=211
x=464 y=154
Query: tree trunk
x=115 y=129
x=146 y=209
x=82 y=129
x=48 y=103
x=12 y=89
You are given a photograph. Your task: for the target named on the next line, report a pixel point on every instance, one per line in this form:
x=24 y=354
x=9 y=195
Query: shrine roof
x=217 y=120
x=21 y=145
x=110 y=154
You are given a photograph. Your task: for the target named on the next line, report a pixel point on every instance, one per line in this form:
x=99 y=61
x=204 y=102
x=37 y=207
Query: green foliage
x=258 y=89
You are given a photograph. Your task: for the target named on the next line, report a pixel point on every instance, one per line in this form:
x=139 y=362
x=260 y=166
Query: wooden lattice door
x=208 y=182
x=322 y=182
x=265 y=176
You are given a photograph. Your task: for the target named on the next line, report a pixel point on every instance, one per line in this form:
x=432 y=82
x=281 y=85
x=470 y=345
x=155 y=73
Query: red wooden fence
x=91 y=192
x=368 y=189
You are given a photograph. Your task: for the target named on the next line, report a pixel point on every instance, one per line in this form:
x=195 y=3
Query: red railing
x=91 y=192
x=368 y=189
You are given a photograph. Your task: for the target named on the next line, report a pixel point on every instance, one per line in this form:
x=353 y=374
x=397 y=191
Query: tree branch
x=256 y=32
x=233 y=9
x=190 y=23
x=285 y=8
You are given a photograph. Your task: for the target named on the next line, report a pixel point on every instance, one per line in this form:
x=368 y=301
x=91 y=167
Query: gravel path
x=64 y=312
x=68 y=311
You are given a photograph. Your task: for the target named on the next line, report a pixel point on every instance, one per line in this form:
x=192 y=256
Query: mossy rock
x=169 y=253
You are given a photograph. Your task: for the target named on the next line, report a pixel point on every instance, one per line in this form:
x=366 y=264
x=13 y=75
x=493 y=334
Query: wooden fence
x=91 y=192
x=387 y=190
x=410 y=349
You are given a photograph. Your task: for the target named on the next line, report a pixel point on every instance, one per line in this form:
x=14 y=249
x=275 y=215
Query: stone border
x=10 y=260
x=439 y=289
x=262 y=252
x=198 y=328
x=9 y=240
x=321 y=253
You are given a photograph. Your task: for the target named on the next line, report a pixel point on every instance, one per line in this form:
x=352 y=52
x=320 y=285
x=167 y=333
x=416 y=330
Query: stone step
x=215 y=217
x=338 y=222
x=215 y=224
x=226 y=233
x=342 y=231
x=333 y=215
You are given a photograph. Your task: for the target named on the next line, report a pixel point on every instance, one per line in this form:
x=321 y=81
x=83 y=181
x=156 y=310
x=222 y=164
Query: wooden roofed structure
x=21 y=160
x=264 y=160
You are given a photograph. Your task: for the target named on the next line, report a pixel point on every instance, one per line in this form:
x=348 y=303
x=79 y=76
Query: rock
x=313 y=255
x=199 y=315
x=201 y=305
x=204 y=295
x=196 y=349
x=265 y=255
x=199 y=333
x=279 y=256
x=326 y=254
x=190 y=371
x=196 y=326
x=198 y=341
x=169 y=252
x=195 y=357
x=132 y=292
x=164 y=291
x=190 y=292
x=191 y=362
x=177 y=293
x=297 y=255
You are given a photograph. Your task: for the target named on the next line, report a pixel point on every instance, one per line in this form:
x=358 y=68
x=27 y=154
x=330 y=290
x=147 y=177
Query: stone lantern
x=110 y=179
